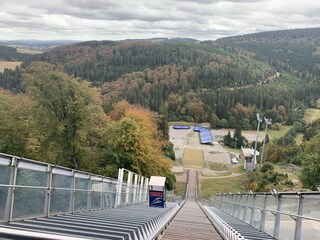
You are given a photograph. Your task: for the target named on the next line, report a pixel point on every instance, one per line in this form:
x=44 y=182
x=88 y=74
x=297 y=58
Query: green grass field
x=232 y=168
x=218 y=166
x=210 y=186
x=192 y=158
x=276 y=134
x=311 y=114
x=8 y=65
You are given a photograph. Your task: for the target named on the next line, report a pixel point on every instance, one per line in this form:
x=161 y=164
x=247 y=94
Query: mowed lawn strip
x=192 y=158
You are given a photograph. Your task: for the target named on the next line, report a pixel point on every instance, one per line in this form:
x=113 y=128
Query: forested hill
x=106 y=61
x=295 y=50
x=224 y=82
x=11 y=54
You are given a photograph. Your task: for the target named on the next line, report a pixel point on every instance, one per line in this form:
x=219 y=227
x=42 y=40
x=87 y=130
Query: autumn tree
x=67 y=114
x=134 y=142
x=15 y=124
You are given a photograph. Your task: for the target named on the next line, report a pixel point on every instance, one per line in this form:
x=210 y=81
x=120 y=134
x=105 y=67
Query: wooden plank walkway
x=190 y=222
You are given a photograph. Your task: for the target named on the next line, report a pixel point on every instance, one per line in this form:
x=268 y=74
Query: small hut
x=247 y=155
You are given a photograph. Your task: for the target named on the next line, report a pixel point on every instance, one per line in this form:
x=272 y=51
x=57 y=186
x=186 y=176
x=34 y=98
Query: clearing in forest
x=9 y=65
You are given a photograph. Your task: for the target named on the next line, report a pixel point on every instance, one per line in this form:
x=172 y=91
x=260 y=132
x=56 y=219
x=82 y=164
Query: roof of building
x=205 y=134
x=249 y=152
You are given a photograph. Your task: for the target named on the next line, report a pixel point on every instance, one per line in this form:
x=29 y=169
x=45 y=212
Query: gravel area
x=183 y=138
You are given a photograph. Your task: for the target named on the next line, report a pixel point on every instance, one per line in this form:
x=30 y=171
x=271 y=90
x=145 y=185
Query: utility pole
x=268 y=122
x=255 y=144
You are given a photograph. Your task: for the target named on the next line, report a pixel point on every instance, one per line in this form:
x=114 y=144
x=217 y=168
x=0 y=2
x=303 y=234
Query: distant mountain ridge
x=38 y=43
x=296 y=50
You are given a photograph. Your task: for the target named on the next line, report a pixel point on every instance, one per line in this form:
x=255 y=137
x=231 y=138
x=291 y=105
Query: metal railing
x=30 y=188
x=283 y=215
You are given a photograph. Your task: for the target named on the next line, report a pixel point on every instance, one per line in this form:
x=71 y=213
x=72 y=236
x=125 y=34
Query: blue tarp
x=205 y=134
x=181 y=127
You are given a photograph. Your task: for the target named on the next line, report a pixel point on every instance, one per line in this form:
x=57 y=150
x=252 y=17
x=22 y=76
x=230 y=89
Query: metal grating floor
x=247 y=231
x=133 y=222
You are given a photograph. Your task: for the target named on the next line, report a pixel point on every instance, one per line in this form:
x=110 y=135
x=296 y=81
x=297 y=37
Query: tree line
x=59 y=119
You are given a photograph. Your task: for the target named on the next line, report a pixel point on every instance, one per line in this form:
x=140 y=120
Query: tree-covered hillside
x=11 y=54
x=197 y=81
x=106 y=61
x=296 y=50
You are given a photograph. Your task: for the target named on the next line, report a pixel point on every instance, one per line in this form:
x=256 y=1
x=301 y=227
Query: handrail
x=122 y=192
x=237 y=205
x=275 y=211
x=271 y=194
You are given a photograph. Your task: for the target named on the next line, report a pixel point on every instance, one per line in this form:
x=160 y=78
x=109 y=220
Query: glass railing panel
x=287 y=227
x=269 y=224
x=95 y=200
x=109 y=199
x=27 y=177
x=311 y=206
x=61 y=181
x=4 y=179
x=310 y=229
x=28 y=202
x=3 y=200
x=60 y=201
x=81 y=200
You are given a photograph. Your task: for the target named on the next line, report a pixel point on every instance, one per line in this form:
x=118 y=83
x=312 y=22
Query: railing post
x=146 y=187
x=72 y=193
x=253 y=211
x=135 y=185
x=277 y=220
x=244 y=216
x=89 y=196
x=141 y=189
x=297 y=232
x=47 y=200
x=129 y=182
x=239 y=205
x=102 y=194
x=229 y=201
x=263 y=214
x=234 y=204
x=119 y=187
x=217 y=201
x=226 y=202
x=10 y=196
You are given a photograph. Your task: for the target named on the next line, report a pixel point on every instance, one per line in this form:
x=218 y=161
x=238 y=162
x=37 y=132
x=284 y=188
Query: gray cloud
x=109 y=19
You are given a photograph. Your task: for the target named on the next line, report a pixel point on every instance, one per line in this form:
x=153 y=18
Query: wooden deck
x=191 y=222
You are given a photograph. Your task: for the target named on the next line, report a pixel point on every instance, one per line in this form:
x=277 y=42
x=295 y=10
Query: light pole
x=235 y=142
x=255 y=144
x=268 y=122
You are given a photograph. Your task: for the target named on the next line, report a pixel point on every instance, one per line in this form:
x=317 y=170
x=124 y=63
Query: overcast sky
x=124 y=19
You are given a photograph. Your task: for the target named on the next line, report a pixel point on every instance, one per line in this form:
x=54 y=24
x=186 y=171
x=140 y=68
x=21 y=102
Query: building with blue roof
x=205 y=134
